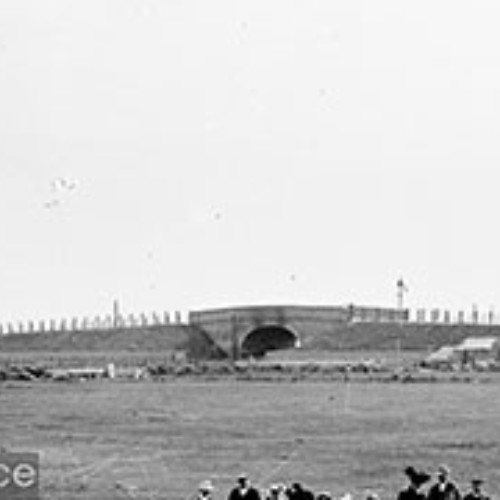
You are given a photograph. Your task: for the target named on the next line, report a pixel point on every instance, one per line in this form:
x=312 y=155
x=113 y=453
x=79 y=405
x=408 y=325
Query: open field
x=106 y=440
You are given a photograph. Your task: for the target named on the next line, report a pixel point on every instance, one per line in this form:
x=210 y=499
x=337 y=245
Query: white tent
x=478 y=344
x=479 y=350
x=443 y=355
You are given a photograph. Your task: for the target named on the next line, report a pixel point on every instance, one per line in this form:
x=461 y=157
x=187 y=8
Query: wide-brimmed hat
x=416 y=477
x=276 y=487
x=477 y=480
x=443 y=469
x=206 y=486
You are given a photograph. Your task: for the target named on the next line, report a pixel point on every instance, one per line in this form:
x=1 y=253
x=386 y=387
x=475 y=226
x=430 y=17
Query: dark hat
x=324 y=495
x=410 y=471
x=242 y=477
x=477 y=480
x=416 y=477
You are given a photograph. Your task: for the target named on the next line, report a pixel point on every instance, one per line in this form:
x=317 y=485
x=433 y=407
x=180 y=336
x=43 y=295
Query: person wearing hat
x=205 y=490
x=324 y=495
x=276 y=492
x=444 y=488
x=298 y=492
x=417 y=479
x=476 y=492
x=372 y=495
x=244 y=490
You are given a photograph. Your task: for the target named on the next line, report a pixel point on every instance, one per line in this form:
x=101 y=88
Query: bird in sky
x=59 y=187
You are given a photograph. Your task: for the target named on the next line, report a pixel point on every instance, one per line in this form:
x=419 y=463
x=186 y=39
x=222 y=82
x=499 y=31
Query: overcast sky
x=184 y=154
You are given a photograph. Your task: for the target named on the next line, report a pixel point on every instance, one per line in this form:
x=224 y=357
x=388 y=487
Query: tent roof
x=478 y=344
x=444 y=353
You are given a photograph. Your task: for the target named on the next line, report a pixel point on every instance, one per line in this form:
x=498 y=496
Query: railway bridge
x=254 y=330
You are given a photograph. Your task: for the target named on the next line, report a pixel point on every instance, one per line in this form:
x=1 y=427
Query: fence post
x=435 y=313
x=446 y=316
x=474 y=315
x=491 y=317
x=131 y=320
x=156 y=319
x=421 y=315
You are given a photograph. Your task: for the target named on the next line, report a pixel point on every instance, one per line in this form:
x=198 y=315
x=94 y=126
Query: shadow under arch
x=268 y=338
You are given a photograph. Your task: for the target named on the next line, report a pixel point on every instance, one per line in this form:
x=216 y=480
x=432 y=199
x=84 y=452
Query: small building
x=476 y=351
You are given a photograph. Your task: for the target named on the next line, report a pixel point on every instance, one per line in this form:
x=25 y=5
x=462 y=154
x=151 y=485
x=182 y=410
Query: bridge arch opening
x=268 y=338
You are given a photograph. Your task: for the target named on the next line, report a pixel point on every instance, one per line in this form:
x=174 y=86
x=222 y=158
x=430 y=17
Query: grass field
x=106 y=440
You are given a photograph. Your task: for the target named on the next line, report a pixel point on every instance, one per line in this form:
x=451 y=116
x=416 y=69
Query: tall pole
x=401 y=290
x=116 y=313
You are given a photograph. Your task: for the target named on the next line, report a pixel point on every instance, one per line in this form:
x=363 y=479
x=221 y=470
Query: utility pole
x=401 y=291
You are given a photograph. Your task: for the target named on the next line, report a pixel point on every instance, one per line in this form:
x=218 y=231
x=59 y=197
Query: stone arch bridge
x=245 y=331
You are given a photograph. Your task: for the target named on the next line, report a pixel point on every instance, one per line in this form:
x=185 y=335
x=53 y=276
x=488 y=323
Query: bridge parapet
x=231 y=328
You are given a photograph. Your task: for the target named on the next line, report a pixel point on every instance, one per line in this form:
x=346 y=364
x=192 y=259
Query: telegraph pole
x=401 y=290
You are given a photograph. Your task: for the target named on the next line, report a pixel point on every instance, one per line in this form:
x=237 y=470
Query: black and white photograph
x=249 y=250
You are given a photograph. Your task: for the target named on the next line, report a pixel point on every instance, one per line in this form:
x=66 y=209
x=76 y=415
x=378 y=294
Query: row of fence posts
x=108 y=322
x=444 y=316
x=120 y=321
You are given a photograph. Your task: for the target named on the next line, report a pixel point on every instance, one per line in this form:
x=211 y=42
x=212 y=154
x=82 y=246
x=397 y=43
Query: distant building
x=473 y=352
x=476 y=351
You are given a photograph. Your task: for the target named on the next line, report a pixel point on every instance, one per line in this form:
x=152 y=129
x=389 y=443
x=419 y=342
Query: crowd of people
x=444 y=488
